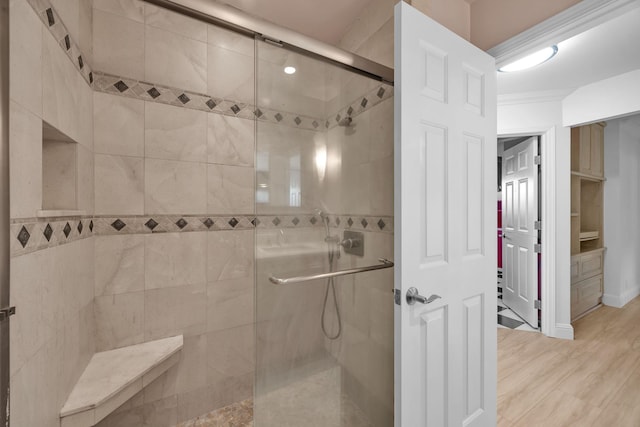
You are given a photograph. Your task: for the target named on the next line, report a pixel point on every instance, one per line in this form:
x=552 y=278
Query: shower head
x=321 y=214
x=346 y=122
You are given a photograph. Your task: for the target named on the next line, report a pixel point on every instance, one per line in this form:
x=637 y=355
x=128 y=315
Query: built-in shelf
x=115 y=376
x=589 y=235
x=54 y=213
x=575 y=214
x=587 y=176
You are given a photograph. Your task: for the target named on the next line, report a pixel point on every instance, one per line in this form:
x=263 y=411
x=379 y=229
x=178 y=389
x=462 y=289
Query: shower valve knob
x=350 y=243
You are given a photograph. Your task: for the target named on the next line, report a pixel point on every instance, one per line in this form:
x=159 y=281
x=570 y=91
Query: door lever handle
x=413 y=296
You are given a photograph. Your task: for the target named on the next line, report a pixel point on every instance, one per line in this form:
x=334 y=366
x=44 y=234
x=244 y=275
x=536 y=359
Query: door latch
x=6 y=312
x=413 y=296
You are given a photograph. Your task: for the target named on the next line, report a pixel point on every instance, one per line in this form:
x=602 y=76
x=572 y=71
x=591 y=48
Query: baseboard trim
x=563 y=331
x=619 y=301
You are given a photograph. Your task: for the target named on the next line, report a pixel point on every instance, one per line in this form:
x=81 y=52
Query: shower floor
x=311 y=401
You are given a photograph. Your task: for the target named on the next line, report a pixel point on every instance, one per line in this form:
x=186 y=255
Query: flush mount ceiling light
x=289 y=70
x=530 y=61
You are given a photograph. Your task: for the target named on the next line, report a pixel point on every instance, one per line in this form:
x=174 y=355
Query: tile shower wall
x=161 y=170
x=52 y=332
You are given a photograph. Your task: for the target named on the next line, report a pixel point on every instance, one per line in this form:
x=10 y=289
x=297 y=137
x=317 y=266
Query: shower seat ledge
x=115 y=376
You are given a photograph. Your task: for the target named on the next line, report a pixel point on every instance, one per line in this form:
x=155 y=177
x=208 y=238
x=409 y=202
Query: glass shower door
x=324 y=166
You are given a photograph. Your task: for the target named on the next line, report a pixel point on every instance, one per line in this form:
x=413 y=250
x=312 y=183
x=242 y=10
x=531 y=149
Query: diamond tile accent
x=298 y=120
x=381 y=224
x=233 y=222
x=121 y=86
x=350 y=222
x=313 y=220
x=364 y=223
x=66 y=230
x=211 y=104
x=208 y=222
x=258 y=113
x=118 y=224
x=338 y=117
x=184 y=98
x=276 y=221
x=90 y=78
x=364 y=102
x=338 y=221
x=67 y=42
x=235 y=108
x=91 y=226
x=50 y=18
x=278 y=117
x=380 y=92
x=23 y=236
x=153 y=92
x=315 y=124
x=181 y=223
x=255 y=222
x=295 y=221
x=80 y=62
x=350 y=111
x=80 y=227
x=48 y=232
x=151 y=224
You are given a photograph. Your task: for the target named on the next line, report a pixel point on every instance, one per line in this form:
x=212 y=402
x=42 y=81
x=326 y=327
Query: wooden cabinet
x=587 y=239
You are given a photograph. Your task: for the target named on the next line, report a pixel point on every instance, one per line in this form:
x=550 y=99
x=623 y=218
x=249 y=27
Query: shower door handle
x=413 y=296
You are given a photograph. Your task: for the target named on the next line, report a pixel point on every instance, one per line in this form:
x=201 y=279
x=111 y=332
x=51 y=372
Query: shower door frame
x=4 y=206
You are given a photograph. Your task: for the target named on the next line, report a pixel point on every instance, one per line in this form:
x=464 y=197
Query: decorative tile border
x=152 y=92
x=52 y=21
x=34 y=234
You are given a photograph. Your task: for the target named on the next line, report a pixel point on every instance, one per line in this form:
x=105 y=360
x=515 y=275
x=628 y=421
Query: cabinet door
x=597 y=148
x=585 y=150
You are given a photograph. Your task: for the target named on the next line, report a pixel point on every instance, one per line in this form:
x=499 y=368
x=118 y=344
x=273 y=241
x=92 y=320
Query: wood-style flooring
x=591 y=381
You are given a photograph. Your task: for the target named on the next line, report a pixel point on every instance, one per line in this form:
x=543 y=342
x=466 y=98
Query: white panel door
x=519 y=213
x=445 y=151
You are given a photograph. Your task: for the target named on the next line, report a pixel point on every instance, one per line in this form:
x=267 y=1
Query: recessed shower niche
x=59 y=173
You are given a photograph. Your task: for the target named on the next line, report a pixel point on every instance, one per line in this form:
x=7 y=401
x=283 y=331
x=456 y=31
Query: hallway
x=591 y=381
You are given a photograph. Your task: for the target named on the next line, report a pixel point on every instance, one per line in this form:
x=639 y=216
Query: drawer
x=575 y=269
x=585 y=295
x=591 y=264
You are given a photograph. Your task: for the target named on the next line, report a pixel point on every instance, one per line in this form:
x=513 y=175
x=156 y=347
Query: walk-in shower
x=177 y=189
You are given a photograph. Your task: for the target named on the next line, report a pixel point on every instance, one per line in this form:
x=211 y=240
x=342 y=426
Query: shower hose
x=330 y=284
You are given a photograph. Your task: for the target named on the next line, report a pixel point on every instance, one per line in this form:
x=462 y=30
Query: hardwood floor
x=591 y=381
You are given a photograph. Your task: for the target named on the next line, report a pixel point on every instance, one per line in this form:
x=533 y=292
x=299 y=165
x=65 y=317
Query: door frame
x=547 y=189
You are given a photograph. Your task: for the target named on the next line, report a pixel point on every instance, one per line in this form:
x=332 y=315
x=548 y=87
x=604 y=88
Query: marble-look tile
x=174 y=60
x=381 y=122
x=173 y=187
x=230 y=75
x=118 y=125
x=25 y=154
x=175 y=259
x=119 y=185
x=231 y=140
x=230 y=255
x=177 y=310
x=118 y=44
x=239 y=414
x=161 y=413
x=168 y=20
x=191 y=369
x=381 y=178
x=230 y=189
x=85 y=40
x=231 y=40
x=59 y=171
x=230 y=303
x=69 y=12
x=25 y=67
x=64 y=106
x=119 y=264
x=85 y=187
x=230 y=353
x=175 y=133
x=132 y=9
x=119 y=320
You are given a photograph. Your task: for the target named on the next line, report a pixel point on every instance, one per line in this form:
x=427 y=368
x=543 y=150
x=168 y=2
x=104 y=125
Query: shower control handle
x=351 y=243
x=413 y=296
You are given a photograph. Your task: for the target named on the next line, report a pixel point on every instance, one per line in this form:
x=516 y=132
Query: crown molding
x=566 y=24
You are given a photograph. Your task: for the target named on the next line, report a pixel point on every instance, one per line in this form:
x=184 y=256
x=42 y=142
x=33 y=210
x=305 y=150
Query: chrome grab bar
x=385 y=263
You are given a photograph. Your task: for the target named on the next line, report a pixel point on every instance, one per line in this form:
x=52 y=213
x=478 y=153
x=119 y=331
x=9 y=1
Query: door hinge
x=537 y=248
x=537 y=304
x=537 y=225
x=537 y=160
x=6 y=312
x=397 y=296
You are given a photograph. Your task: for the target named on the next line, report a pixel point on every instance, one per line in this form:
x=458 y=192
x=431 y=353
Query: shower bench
x=113 y=377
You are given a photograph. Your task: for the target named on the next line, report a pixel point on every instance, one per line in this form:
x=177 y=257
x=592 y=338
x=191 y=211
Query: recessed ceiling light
x=289 y=70
x=532 y=60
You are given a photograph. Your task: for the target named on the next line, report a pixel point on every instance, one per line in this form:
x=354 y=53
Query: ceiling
x=605 y=51
x=326 y=20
